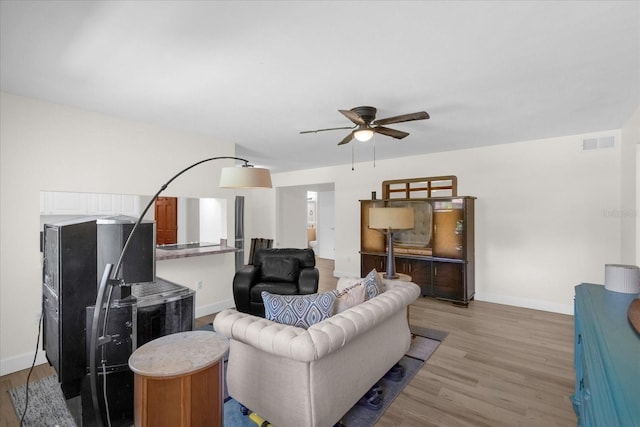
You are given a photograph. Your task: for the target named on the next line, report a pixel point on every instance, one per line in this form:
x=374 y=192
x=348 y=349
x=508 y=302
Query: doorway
x=325 y=229
x=303 y=218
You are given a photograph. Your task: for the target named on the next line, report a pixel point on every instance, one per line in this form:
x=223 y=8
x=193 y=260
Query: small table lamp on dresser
x=391 y=219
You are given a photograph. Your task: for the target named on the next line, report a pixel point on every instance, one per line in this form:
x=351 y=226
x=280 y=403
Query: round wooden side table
x=179 y=380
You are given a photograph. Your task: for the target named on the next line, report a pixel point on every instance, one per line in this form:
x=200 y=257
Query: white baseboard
x=216 y=307
x=23 y=361
x=502 y=299
x=20 y=362
x=526 y=303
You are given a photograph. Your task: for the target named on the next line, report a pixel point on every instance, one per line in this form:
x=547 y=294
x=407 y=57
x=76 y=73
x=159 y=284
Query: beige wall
x=44 y=146
x=547 y=214
x=629 y=187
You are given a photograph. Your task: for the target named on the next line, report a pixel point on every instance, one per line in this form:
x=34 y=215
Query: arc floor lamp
x=245 y=176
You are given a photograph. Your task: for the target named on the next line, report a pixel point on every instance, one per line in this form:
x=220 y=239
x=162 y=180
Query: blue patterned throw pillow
x=298 y=310
x=372 y=283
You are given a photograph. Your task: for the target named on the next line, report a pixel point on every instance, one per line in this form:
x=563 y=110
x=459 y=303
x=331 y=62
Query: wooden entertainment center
x=438 y=253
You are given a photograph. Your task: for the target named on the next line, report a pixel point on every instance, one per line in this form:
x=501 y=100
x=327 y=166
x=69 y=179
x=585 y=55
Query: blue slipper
x=371 y=400
x=396 y=373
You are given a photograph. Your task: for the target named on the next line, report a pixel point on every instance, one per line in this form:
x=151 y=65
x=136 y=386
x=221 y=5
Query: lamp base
x=391 y=259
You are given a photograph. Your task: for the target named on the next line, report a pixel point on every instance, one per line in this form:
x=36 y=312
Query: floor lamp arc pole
x=109 y=280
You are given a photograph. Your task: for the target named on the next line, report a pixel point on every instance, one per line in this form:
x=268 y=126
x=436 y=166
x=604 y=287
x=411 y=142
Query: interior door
x=326 y=225
x=166 y=215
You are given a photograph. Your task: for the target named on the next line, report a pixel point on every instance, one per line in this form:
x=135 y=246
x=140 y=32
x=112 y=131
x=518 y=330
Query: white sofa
x=295 y=377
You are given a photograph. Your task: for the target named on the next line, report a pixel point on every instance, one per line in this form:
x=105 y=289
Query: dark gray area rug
x=47 y=406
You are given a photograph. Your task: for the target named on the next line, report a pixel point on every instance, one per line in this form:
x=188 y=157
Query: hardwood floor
x=499 y=366
x=327 y=281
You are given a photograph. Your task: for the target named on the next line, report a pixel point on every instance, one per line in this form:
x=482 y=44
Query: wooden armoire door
x=447 y=236
x=166 y=216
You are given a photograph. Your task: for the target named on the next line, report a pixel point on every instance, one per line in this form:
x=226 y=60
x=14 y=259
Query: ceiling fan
x=363 y=119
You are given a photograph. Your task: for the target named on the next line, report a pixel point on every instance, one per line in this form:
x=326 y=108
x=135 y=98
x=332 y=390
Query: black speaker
x=69 y=285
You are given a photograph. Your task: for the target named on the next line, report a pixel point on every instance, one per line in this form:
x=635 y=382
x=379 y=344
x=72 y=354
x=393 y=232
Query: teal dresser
x=607 y=359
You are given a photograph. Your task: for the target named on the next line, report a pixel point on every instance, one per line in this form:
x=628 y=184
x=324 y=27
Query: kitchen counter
x=162 y=254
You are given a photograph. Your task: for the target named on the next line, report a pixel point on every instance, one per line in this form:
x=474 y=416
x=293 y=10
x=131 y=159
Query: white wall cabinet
x=62 y=203
x=59 y=203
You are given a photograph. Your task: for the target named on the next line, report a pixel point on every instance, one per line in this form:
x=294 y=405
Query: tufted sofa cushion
x=322 y=338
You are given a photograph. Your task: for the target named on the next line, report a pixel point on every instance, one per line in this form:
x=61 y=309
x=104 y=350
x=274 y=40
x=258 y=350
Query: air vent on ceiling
x=598 y=143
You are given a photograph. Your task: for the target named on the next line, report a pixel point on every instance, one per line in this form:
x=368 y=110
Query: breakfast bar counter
x=162 y=254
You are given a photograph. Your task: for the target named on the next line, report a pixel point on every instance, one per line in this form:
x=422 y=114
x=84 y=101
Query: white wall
x=45 y=146
x=326 y=210
x=291 y=229
x=213 y=224
x=259 y=218
x=629 y=187
x=545 y=214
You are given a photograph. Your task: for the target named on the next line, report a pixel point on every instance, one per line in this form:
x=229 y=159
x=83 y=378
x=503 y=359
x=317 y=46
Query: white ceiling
x=258 y=73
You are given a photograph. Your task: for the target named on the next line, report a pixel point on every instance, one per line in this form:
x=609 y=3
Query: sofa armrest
x=243 y=280
x=322 y=338
x=308 y=281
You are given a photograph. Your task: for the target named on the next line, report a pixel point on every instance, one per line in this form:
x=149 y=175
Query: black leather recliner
x=279 y=271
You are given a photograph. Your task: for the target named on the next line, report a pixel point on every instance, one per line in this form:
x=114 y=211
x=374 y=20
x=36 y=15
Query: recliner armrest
x=243 y=280
x=308 y=281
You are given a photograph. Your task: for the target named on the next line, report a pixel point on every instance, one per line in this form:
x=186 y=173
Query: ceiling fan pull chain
x=352 y=168
x=374 y=150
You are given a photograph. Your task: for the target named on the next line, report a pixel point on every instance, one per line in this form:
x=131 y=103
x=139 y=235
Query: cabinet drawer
x=370 y=262
x=448 y=280
x=419 y=270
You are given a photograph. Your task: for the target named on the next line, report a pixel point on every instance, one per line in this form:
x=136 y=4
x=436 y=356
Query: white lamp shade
x=363 y=134
x=245 y=177
x=391 y=218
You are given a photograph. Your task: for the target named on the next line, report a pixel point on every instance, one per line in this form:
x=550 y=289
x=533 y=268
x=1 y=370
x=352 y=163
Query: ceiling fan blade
x=346 y=139
x=421 y=115
x=322 y=130
x=353 y=116
x=397 y=134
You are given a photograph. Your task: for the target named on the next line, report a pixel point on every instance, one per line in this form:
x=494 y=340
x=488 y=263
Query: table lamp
x=391 y=219
x=245 y=176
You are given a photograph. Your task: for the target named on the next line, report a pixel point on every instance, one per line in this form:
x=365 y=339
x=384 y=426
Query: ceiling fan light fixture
x=363 y=134
x=363 y=117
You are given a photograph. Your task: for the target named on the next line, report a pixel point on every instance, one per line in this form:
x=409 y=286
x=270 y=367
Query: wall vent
x=598 y=143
